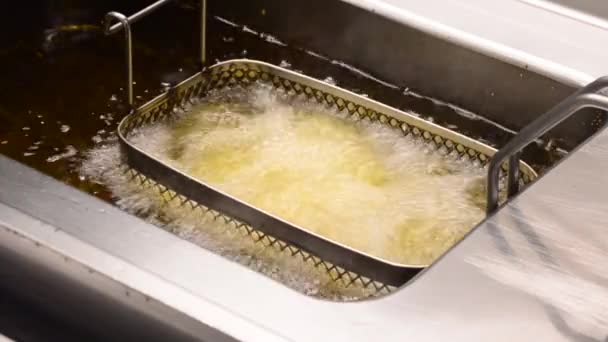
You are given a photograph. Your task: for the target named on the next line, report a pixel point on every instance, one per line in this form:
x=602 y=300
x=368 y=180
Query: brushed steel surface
x=451 y=300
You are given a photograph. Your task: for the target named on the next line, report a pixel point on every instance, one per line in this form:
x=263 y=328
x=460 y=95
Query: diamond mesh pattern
x=336 y=273
x=240 y=73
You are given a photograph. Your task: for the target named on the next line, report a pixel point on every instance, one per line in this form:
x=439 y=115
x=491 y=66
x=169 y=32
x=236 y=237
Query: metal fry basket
x=343 y=263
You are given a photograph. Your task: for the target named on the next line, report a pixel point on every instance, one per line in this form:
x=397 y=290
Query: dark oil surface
x=58 y=70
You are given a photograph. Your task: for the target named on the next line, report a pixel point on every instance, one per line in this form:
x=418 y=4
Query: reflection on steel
x=585 y=98
x=124 y=21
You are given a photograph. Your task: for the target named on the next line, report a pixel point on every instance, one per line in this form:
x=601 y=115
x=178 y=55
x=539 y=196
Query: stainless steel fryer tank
x=35 y=209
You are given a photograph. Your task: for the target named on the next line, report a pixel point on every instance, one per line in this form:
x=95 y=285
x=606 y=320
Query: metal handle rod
x=583 y=98
x=124 y=22
x=137 y=16
x=513 y=176
x=203 y=37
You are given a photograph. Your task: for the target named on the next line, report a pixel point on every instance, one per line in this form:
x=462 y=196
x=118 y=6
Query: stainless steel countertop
x=454 y=299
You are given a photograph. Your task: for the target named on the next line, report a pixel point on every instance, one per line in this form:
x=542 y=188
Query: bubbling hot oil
x=360 y=183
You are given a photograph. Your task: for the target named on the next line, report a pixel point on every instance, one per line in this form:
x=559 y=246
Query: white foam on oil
x=103 y=165
x=360 y=183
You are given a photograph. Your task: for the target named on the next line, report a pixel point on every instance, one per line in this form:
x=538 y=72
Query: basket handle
x=125 y=22
x=584 y=98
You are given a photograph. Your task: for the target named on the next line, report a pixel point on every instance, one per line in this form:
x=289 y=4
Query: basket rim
x=135 y=156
